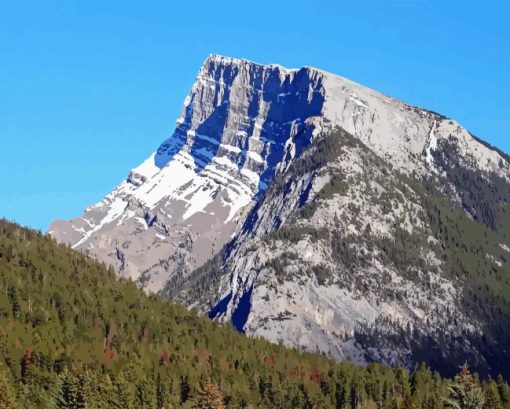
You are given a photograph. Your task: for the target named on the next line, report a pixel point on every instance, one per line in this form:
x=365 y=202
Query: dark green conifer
x=7 y=394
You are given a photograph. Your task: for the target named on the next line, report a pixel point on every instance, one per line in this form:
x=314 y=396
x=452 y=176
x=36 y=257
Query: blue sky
x=89 y=89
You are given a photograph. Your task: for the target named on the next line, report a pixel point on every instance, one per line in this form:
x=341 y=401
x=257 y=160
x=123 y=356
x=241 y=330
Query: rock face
x=309 y=209
x=240 y=123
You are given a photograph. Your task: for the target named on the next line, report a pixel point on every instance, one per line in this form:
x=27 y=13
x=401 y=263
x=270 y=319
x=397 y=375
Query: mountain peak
x=258 y=148
x=225 y=60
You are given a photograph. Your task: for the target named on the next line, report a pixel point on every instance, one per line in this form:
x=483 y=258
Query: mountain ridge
x=331 y=191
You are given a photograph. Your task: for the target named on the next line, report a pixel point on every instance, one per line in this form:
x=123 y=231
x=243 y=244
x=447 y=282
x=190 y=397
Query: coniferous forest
x=72 y=335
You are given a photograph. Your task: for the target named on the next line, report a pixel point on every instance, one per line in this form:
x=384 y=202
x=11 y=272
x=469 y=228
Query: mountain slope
x=374 y=267
x=309 y=209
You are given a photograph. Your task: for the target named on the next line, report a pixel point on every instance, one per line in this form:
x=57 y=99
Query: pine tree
x=366 y=404
x=145 y=394
x=432 y=401
x=121 y=392
x=343 y=395
x=13 y=297
x=504 y=391
x=26 y=363
x=161 y=393
x=464 y=392
x=492 y=399
x=98 y=391
x=72 y=393
x=209 y=397
x=172 y=395
x=7 y=395
x=57 y=395
x=185 y=389
x=409 y=402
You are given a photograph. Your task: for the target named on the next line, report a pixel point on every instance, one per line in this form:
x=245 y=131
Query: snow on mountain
x=240 y=122
x=302 y=207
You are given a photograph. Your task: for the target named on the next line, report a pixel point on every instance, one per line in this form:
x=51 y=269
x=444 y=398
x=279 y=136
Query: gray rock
x=281 y=203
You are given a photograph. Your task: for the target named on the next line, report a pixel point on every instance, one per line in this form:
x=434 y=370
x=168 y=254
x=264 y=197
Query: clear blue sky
x=89 y=89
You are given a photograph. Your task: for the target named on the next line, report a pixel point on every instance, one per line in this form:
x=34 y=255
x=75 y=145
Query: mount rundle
x=308 y=209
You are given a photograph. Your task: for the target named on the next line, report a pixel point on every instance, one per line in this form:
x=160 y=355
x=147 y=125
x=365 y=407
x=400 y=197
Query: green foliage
x=7 y=395
x=465 y=392
x=209 y=396
x=491 y=396
x=72 y=335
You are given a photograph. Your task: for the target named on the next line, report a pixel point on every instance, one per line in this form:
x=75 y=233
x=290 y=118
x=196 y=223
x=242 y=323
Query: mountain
x=74 y=336
x=187 y=200
x=313 y=211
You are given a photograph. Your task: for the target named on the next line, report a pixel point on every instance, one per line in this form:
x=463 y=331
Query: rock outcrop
x=308 y=209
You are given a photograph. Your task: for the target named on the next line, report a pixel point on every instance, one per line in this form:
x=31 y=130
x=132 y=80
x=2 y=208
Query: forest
x=73 y=335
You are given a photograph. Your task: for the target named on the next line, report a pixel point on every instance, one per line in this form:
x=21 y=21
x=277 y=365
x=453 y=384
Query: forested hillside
x=72 y=335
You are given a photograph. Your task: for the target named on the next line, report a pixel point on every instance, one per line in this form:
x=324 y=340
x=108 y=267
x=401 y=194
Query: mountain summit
x=308 y=209
x=240 y=123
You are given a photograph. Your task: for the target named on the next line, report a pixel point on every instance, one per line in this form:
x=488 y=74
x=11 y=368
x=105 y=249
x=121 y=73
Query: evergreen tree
x=56 y=395
x=432 y=401
x=465 y=392
x=491 y=395
x=504 y=392
x=72 y=393
x=160 y=393
x=209 y=397
x=409 y=402
x=7 y=395
x=343 y=395
x=185 y=389
x=121 y=391
x=145 y=397
x=368 y=404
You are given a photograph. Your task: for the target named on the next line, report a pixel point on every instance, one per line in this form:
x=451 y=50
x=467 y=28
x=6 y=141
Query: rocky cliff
x=311 y=210
x=240 y=123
